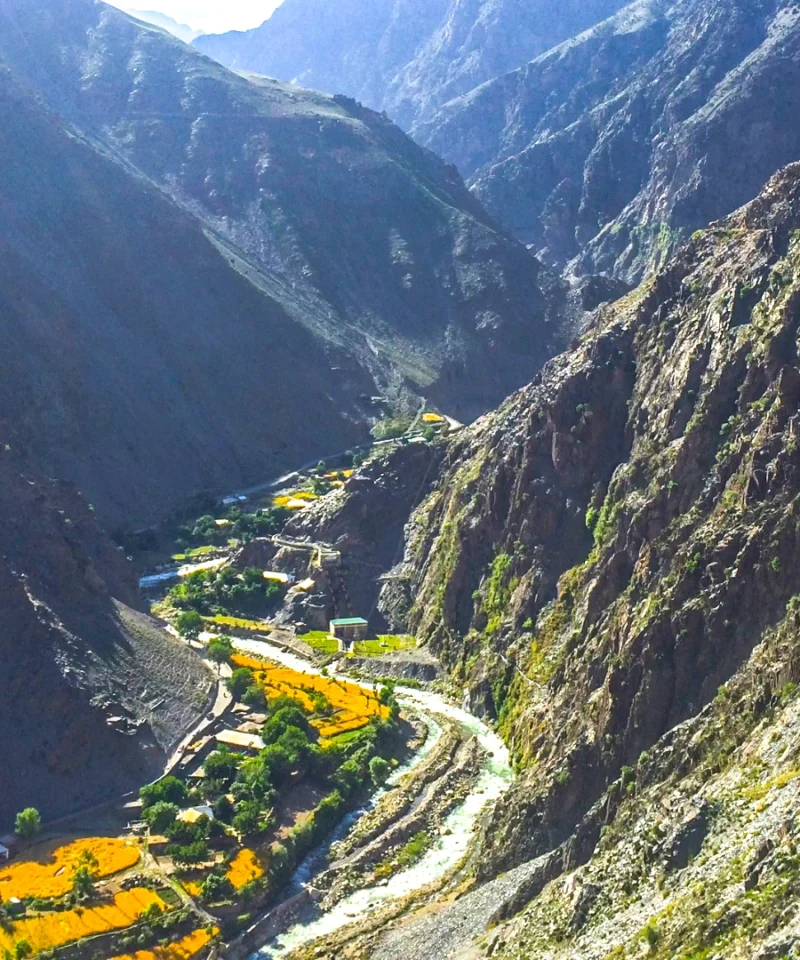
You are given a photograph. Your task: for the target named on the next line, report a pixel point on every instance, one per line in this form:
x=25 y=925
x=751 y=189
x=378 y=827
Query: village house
x=348 y=630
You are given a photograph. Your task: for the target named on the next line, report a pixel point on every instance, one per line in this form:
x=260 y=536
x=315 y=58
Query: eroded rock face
x=606 y=550
x=611 y=149
x=95 y=694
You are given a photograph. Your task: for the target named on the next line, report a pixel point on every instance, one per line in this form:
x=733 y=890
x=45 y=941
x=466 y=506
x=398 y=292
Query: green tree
x=223 y=766
x=295 y=743
x=284 y=700
x=254 y=696
x=83 y=882
x=216 y=888
x=168 y=790
x=189 y=624
x=160 y=816
x=379 y=770
x=249 y=818
x=223 y=809
x=152 y=912
x=279 y=722
x=190 y=854
x=28 y=824
x=239 y=682
x=220 y=650
x=22 y=949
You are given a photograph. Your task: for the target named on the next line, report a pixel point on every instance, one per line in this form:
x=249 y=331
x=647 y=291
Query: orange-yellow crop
x=185 y=949
x=50 y=874
x=353 y=706
x=54 y=929
x=244 y=867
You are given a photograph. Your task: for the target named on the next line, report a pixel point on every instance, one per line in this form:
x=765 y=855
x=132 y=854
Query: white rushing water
x=450 y=846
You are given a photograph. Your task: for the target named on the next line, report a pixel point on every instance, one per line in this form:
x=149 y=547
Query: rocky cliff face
x=613 y=148
x=370 y=242
x=404 y=56
x=95 y=694
x=607 y=565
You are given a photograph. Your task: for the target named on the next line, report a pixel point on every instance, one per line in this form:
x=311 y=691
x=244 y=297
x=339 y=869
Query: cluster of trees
x=242 y=526
x=244 y=688
x=225 y=591
x=242 y=791
x=190 y=843
x=291 y=744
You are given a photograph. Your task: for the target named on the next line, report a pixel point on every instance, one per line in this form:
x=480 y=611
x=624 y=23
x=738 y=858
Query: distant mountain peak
x=180 y=30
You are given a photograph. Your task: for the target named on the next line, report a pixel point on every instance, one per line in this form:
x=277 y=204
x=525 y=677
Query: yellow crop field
x=244 y=867
x=184 y=949
x=286 y=500
x=353 y=706
x=50 y=874
x=56 y=929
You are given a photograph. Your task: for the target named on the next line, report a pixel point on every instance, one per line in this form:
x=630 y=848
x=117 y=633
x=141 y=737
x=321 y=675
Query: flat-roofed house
x=348 y=630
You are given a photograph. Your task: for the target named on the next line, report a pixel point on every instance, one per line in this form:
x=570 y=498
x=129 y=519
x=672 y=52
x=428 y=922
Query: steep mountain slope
x=137 y=361
x=617 y=145
x=405 y=56
x=607 y=565
x=95 y=694
x=381 y=245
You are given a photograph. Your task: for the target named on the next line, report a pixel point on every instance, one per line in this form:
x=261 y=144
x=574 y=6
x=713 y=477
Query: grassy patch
x=320 y=640
x=776 y=783
x=384 y=644
x=419 y=844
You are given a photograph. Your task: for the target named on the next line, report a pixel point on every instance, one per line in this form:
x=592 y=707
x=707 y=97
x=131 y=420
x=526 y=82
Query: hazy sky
x=213 y=16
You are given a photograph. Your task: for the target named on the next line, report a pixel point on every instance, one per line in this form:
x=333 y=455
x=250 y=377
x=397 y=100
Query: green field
x=325 y=643
x=320 y=640
x=384 y=644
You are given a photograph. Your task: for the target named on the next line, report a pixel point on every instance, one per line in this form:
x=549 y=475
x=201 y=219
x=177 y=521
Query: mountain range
x=606 y=565
x=602 y=135
x=269 y=256
x=403 y=56
x=205 y=275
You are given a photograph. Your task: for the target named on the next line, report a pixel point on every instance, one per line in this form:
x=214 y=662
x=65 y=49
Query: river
x=449 y=847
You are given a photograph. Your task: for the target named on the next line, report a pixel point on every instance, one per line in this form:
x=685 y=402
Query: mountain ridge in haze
x=407 y=57
x=180 y=30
